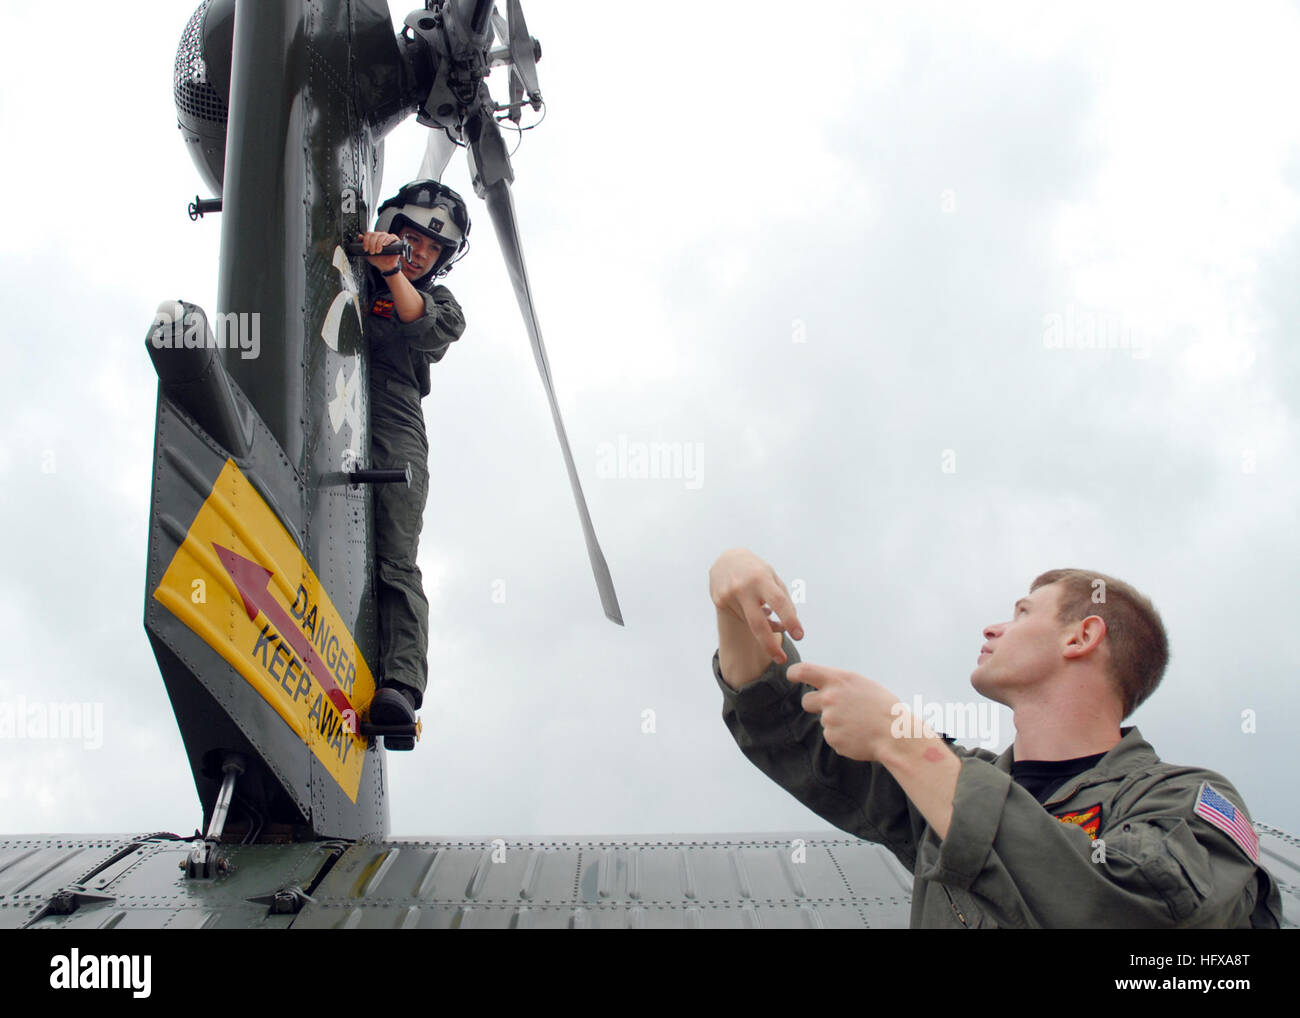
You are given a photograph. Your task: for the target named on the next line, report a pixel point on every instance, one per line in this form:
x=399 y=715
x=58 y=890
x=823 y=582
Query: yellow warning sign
x=240 y=582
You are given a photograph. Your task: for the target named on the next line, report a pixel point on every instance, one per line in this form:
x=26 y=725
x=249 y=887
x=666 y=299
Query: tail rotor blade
x=522 y=52
x=501 y=208
x=437 y=153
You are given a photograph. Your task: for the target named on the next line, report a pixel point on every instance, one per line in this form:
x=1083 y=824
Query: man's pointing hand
x=857 y=714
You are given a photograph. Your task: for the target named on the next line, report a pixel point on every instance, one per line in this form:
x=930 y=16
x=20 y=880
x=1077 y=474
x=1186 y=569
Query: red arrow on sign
x=252 y=580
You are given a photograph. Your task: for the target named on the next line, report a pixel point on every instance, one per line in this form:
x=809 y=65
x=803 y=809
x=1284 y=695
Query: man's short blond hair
x=1139 y=648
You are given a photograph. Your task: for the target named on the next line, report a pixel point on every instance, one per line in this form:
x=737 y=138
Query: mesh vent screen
x=194 y=95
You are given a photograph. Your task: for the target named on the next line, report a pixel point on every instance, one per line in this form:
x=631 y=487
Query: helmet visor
x=434 y=196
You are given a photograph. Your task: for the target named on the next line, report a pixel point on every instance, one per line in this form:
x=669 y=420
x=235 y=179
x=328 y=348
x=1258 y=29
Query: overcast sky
x=843 y=263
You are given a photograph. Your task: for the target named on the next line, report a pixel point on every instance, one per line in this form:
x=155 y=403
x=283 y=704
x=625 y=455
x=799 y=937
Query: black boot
x=394 y=705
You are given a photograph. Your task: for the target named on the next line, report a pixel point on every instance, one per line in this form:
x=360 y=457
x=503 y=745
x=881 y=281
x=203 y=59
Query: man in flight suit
x=1078 y=824
x=410 y=325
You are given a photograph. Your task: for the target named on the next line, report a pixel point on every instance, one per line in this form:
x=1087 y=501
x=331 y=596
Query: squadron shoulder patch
x=1215 y=809
x=1089 y=819
x=383 y=307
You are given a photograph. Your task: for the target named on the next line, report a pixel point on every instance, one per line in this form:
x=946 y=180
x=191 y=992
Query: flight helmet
x=436 y=211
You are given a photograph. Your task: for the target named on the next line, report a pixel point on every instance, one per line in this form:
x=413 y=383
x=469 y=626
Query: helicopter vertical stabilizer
x=260 y=591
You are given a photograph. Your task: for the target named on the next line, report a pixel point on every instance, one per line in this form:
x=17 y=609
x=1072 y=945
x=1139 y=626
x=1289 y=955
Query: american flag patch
x=1215 y=809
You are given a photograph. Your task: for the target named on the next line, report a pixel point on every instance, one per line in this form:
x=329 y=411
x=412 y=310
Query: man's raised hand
x=745 y=589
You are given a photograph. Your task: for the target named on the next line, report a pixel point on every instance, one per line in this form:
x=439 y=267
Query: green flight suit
x=1008 y=861
x=400 y=355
